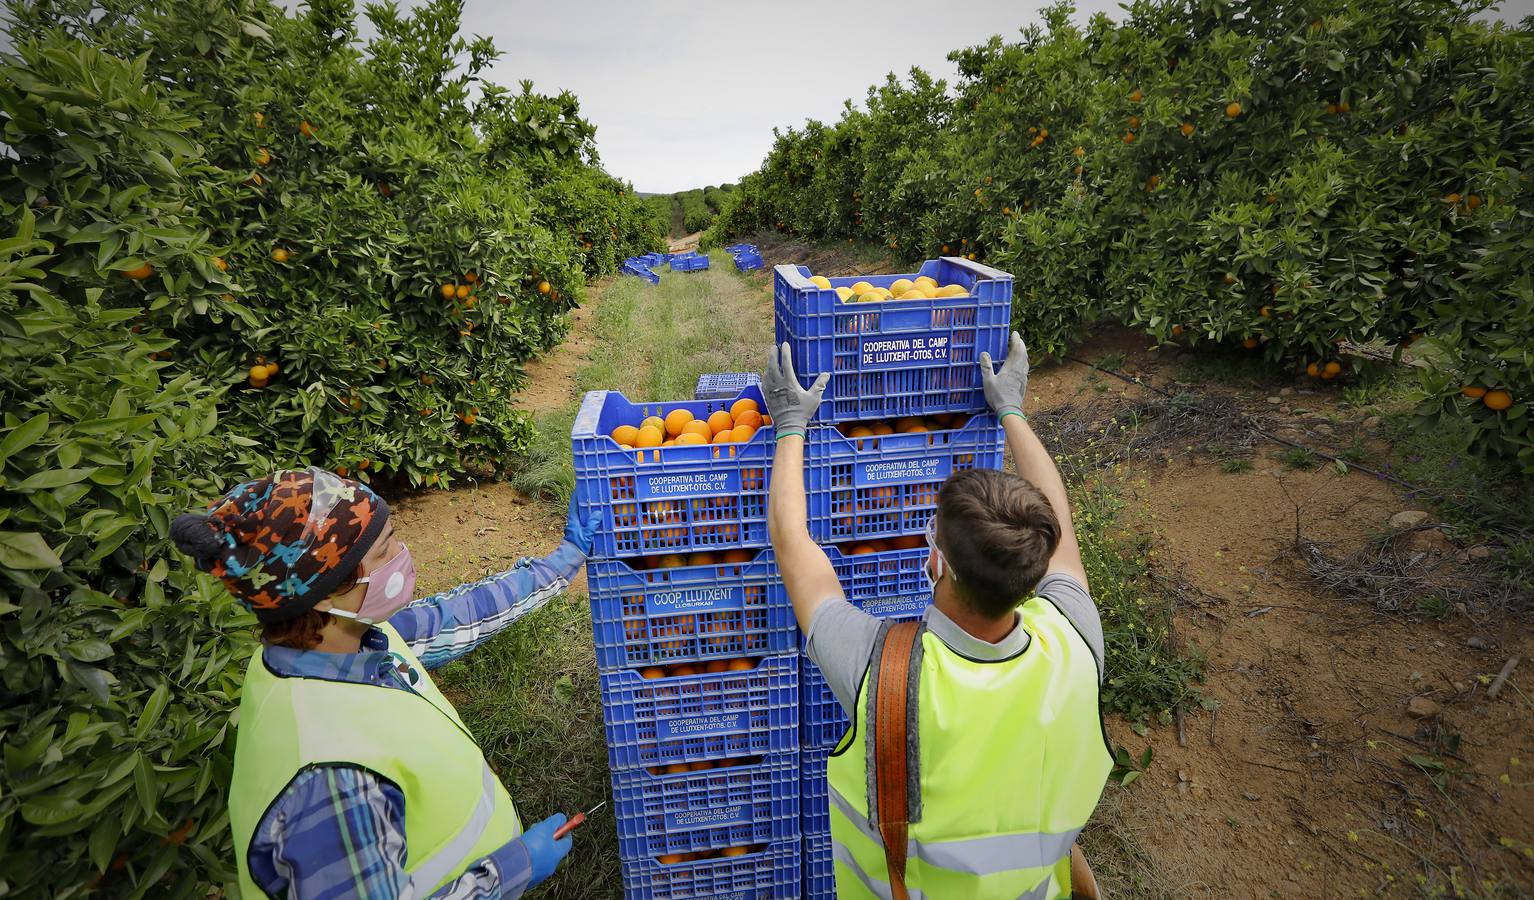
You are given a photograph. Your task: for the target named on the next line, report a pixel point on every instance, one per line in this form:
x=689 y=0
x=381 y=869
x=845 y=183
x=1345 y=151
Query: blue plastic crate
x=880 y=487
x=660 y=815
x=691 y=262
x=748 y=260
x=889 y=585
x=690 y=718
x=724 y=385
x=641 y=271
x=736 y=248
x=895 y=357
x=771 y=873
x=819 y=867
x=691 y=613
x=678 y=499
x=814 y=803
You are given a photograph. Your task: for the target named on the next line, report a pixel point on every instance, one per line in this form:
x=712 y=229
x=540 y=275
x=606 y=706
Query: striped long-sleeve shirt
x=339 y=831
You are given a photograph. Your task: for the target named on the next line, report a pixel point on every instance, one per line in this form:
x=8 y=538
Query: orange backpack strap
x=895 y=795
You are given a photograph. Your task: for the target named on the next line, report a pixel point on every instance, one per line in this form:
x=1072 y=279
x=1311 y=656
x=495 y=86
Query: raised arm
x=807 y=573
x=1004 y=392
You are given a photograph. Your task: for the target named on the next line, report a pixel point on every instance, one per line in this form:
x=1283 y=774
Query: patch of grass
x=1146 y=675
x=1299 y=458
x=1235 y=465
x=1119 y=860
x=530 y=698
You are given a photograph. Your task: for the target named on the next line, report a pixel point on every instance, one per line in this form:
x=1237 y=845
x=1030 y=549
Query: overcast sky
x=686 y=94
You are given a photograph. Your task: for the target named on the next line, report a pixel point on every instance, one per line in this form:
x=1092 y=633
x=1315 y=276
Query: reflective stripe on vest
x=1012 y=760
x=456 y=811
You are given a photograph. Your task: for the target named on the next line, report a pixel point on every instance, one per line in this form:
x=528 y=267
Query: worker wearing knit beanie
x=341 y=730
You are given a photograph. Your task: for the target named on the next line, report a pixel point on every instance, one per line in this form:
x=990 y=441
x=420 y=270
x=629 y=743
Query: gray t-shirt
x=841 y=636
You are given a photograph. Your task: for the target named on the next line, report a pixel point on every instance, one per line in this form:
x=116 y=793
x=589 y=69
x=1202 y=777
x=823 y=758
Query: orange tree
x=1272 y=176
x=234 y=236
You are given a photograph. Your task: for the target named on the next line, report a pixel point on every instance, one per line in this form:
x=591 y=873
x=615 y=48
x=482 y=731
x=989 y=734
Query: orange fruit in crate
x=700 y=428
x=671 y=561
x=700 y=765
x=720 y=421
x=725 y=436
x=743 y=664
x=881 y=428
x=676 y=420
x=740 y=406
x=908 y=542
x=749 y=417
x=742 y=433
x=650 y=673
x=702 y=559
x=676 y=768
x=861 y=549
x=683 y=671
x=736 y=556
x=648 y=437
x=655 y=422
x=717 y=666
x=626 y=434
x=735 y=851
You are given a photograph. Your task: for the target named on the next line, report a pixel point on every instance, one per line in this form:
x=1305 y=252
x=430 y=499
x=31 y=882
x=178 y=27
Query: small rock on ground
x=1421 y=708
x=1409 y=518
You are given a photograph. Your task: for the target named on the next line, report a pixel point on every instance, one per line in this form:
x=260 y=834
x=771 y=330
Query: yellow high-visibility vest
x=1010 y=756
x=456 y=810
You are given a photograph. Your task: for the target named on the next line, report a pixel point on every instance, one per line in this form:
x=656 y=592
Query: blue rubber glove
x=581 y=531
x=542 y=850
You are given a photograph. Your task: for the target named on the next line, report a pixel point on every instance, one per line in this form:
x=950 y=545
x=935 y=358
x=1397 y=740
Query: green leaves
x=26 y=550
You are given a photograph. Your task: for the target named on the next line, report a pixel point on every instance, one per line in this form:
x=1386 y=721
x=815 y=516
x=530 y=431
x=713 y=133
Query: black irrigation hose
x=1384 y=476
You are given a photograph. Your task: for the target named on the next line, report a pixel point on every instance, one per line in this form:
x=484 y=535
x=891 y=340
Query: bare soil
x=1310 y=778
x=1302 y=782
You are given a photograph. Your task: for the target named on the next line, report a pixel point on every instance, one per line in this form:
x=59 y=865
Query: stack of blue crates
x=698 y=657
x=888 y=360
x=747 y=257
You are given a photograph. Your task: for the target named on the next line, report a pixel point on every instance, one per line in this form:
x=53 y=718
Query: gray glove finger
x=818 y=389
x=787 y=367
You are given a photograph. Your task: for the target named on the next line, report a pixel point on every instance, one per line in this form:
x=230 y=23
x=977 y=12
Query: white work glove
x=790 y=405
x=1004 y=390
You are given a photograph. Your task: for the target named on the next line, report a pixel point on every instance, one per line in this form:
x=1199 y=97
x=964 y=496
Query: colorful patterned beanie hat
x=283 y=543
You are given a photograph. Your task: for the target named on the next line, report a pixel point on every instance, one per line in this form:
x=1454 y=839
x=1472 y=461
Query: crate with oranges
x=673 y=478
x=757 y=871
x=674 y=816
x=895 y=345
x=704 y=609
x=687 y=713
x=877 y=481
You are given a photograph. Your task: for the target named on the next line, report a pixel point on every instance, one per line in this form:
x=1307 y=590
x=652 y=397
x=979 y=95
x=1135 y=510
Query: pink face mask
x=389 y=589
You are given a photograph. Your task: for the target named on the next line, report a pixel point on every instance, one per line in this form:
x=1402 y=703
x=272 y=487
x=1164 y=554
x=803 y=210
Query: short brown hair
x=997 y=531
x=303 y=631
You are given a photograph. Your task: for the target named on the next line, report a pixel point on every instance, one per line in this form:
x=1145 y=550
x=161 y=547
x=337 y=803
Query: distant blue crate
x=692 y=262
x=895 y=357
x=819 y=867
x=690 y=718
x=691 y=613
x=633 y=268
x=724 y=385
x=659 y=815
x=676 y=499
x=765 y=874
x=814 y=802
x=736 y=248
x=889 y=585
x=748 y=260
x=879 y=487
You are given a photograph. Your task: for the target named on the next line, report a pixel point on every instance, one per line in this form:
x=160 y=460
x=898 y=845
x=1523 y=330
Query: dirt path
x=1312 y=778
x=683 y=244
